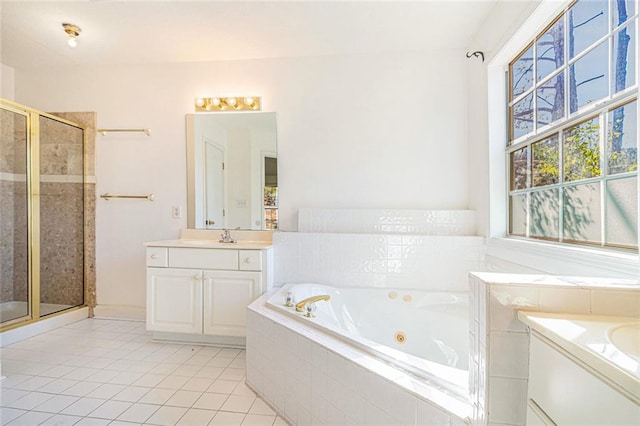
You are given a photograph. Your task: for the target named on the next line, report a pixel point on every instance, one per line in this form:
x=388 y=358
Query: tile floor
x=108 y=372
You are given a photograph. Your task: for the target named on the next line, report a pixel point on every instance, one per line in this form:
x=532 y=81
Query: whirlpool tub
x=422 y=335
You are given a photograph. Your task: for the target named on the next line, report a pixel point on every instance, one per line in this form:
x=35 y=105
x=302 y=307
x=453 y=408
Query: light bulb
x=72 y=42
x=248 y=101
x=215 y=102
x=200 y=102
x=231 y=101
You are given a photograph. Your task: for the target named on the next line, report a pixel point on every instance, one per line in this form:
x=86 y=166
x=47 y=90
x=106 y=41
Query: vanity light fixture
x=73 y=31
x=231 y=103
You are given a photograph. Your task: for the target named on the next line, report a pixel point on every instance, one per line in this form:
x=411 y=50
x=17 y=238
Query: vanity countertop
x=211 y=244
x=606 y=344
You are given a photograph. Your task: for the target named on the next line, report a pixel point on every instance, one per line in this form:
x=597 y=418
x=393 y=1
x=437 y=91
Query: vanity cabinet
x=564 y=391
x=204 y=291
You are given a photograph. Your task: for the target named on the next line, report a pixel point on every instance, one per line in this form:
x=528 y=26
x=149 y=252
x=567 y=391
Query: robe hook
x=477 y=54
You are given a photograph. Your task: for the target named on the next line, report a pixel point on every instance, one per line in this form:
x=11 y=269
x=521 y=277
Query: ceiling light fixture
x=73 y=31
x=232 y=103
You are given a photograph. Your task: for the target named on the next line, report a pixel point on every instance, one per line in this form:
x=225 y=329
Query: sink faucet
x=300 y=306
x=225 y=237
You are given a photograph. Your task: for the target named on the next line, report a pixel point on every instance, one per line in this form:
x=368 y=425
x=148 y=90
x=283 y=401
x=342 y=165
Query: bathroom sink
x=627 y=339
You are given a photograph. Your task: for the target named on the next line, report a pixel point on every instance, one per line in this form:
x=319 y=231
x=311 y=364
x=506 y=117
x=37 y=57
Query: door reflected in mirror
x=232 y=171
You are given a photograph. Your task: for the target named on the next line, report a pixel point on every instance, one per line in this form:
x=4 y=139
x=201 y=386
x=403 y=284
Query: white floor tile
x=34 y=383
x=223 y=386
x=106 y=391
x=8 y=414
x=227 y=419
x=62 y=419
x=58 y=385
x=99 y=372
x=220 y=362
x=186 y=370
x=57 y=371
x=233 y=374
x=110 y=409
x=210 y=401
x=56 y=404
x=29 y=401
x=125 y=378
x=138 y=413
x=131 y=394
x=150 y=380
x=196 y=417
x=258 y=420
x=183 y=398
x=12 y=380
x=167 y=416
x=243 y=389
x=81 y=389
x=10 y=395
x=83 y=406
x=102 y=376
x=157 y=396
x=88 y=421
x=80 y=373
x=120 y=423
x=208 y=372
x=198 y=384
x=238 y=403
x=280 y=422
x=173 y=382
x=30 y=418
x=261 y=407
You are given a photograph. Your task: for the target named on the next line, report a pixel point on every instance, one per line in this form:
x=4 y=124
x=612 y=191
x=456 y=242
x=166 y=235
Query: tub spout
x=300 y=306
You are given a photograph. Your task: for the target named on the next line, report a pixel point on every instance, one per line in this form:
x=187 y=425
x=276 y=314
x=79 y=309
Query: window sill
x=565 y=259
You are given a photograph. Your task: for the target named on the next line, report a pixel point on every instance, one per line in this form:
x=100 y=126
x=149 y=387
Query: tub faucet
x=300 y=306
x=225 y=237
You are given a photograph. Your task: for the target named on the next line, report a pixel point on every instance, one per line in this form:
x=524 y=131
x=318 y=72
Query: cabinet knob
x=196 y=277
x=247 y=260
x=154 y=256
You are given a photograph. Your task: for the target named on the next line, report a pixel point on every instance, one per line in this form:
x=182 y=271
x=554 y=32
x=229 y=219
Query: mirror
x=232 y=171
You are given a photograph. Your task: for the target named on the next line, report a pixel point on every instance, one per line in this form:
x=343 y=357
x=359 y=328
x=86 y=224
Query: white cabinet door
x=174 y=300
x=226 y=296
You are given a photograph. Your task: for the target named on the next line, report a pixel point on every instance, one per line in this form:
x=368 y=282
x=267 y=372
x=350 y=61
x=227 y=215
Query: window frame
x=598 y=109
x=539 y=255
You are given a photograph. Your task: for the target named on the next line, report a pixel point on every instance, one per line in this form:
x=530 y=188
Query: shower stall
x=42 y=215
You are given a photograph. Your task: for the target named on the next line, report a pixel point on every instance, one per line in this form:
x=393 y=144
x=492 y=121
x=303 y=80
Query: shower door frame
x=33 y=213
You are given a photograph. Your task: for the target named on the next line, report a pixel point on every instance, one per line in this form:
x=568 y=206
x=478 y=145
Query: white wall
x=500 y=25
x=383 y=131
x=7 y=82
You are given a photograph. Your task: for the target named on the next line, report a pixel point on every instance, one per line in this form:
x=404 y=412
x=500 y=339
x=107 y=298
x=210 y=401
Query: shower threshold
x=15 y=309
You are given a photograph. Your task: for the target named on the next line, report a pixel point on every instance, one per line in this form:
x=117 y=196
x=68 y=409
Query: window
x=572 y=149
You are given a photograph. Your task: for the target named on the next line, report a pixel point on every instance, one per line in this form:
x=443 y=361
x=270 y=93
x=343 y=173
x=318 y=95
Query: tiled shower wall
x=62 y=228
x=69 y=250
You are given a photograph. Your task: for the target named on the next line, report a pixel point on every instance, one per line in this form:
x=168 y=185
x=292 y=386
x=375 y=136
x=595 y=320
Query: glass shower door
x=61 y=165
x=14 y=243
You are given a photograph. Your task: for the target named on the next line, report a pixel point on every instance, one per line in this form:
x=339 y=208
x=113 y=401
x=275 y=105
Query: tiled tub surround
x=499 y=343
x=311 y=377
x=365 y=260
x=372 y=221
